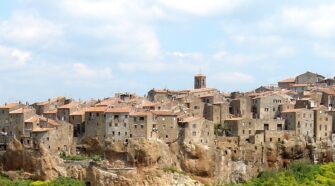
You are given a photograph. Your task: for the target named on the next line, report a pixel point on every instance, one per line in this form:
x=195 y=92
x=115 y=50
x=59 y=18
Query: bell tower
x=199 y=81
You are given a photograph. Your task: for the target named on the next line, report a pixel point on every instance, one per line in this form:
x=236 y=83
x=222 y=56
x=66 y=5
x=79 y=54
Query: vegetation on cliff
x=298 y=173
x=60 y=181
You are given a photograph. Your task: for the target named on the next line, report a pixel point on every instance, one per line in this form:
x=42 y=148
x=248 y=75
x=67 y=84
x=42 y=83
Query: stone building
x=51 y=114
x=267 y=106
x=241 y=107
x=323 y=123
x=196 y=130
x=199 y=81
x=299 y=120
x=77 y=119
x=166 y=125
x=64 y=111
x=284 y=84
x=95 y=123
x=51 y=104
x=328 y=98
x=141 y=124
x=4 y=115
x=308 y=78
x=56 y=136
x=246 y=128
x=216 y=112
x=17 y=119
x=117 y=123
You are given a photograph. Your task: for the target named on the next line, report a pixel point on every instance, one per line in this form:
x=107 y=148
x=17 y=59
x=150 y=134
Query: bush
x=300 y=172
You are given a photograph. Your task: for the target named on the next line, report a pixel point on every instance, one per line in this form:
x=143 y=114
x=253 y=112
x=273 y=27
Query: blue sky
x=92 y=49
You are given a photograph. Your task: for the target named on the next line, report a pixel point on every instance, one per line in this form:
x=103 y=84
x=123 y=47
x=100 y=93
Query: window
x=110 y=124
x=320 y=127
x=141 y=118
x=125 y=133
x=325 y=127
x=270 y=139
x=126 y=116
x=119 y=133
x=47 y=138
x=131 y=135
x=249 y=131
x=194 y=133
x=154 y=126
x=304 y=115
x=167 y=136
x=135 y=126
x=116 y=124
x=116 y=116
x=142 y=126
x=113 y=133
x=194 y=126
x=243 y=131
x=125 y=125
x=266 y=126
x=97 y=114
x=298 y=124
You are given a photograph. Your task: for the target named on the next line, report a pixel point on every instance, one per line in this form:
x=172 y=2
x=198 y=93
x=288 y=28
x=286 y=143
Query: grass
x=173 y=169
x=80 y=157
x=300 y=172
x=60 y=181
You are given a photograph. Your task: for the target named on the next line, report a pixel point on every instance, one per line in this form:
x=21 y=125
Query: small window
x=167 y=136
x=116 y=124
x=119 y=133
x=142 y=126
x=125 y=125
x=194 y=133
x=110 y=124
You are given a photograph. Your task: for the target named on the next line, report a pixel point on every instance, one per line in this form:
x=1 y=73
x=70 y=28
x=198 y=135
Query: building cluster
x=302 y=107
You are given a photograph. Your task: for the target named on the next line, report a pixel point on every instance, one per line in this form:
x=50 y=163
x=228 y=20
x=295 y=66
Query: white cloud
x=201 y=7
x=234 y=77
x=324 y=51
x=317 y=21
x=27 y=30
x=13 y=57
x=285 y=51
x=82 y=71
x=237 y=59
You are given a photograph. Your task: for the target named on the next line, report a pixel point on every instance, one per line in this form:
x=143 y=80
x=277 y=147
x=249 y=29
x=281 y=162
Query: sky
x=86 y=49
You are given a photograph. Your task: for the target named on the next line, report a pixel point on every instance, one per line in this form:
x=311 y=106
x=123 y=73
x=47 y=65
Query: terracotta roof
x=51 y=100
x=293 y=110
x=328 y=91
x=288 y=80
x=107 y=102
x=298 y=85
x=201 y=90
x=37 y=119
x=148 y=104
x=33 y=119
x=9 y=105
x=189 y=119
x=140 y=113
x=54 y=111
x=96 y=109
x=163 y=113
x=20 y=111
x=78 y=113
x=39 y=129
x=234 y=119
x=119 y=110
x=70 y=105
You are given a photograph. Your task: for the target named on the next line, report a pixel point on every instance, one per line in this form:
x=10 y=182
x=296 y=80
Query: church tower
x=199 y=81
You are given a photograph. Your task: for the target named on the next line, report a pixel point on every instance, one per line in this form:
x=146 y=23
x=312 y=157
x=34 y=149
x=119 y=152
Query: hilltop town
x=171 y=137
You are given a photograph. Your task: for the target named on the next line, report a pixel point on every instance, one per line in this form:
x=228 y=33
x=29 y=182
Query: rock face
x=40 y=163
x=142 y=153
